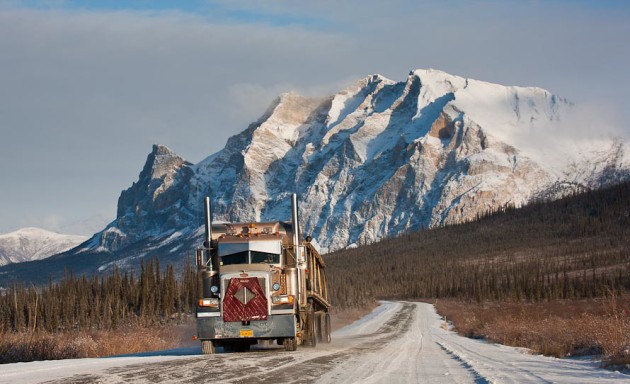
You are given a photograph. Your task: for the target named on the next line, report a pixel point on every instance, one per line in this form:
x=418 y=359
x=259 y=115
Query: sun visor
x=274 y=246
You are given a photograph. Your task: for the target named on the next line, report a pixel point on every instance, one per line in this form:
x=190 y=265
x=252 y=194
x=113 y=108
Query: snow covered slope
x=28 y=244
x=372 y=161
x=383 y=157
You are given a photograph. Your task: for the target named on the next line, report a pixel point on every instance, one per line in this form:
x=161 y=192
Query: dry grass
x=30 y=346
x=557 y=328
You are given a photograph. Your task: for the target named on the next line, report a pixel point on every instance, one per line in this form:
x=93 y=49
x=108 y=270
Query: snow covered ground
x=399 y=342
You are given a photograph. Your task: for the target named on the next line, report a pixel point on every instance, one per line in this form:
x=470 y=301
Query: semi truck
x=260 y=281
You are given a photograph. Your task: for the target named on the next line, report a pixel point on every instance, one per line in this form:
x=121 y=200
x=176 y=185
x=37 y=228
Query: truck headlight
x=209 y=303
x=275 y=286
x=214 y=289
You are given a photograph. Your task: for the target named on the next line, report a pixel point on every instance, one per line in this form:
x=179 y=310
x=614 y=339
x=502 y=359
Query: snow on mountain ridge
x=371 y=161
x=30 y=243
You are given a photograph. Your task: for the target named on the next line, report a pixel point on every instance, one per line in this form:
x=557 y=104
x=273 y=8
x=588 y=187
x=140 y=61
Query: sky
x=87 y=87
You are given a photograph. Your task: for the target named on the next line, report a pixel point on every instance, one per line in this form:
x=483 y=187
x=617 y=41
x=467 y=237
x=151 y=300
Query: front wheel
x=208 y=347
x=290 y=344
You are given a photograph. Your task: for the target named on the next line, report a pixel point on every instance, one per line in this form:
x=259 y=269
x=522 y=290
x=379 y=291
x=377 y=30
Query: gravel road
x=400 y=342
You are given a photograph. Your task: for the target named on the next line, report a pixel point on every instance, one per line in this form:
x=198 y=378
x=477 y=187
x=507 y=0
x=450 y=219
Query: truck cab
x=260 y=281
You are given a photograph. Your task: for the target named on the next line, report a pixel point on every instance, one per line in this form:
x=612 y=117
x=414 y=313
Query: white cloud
x=252 y=98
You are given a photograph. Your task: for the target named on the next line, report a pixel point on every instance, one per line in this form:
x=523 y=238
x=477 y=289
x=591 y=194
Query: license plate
x=247 y=333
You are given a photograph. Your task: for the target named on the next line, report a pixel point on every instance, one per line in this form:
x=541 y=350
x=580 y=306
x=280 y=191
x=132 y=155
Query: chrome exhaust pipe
x=299 y=258
x=296 y=227
x=210 y=255
x=208 y=222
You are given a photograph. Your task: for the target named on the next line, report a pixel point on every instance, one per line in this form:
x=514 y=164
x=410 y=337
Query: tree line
x=101 y=302
x=576 y=247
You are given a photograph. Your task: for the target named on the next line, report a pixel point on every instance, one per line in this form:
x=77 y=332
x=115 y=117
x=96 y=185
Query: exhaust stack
x=299 y=258
x=208 y=221
x=210 y=259
x=296 y=227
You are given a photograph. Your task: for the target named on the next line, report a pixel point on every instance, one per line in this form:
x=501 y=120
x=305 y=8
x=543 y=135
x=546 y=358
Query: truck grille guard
x=245 y=300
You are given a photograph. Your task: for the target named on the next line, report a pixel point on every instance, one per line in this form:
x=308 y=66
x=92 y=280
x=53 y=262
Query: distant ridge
x=29 y=244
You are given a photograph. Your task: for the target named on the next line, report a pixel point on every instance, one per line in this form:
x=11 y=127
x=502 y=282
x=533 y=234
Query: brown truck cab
x=261 y=281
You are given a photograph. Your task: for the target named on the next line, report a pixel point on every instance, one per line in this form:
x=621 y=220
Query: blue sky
x=216 y=11
x=88 y=86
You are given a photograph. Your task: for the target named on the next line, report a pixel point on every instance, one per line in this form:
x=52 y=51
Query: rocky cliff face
x=154 y=205
x=383 y=157
x=371 y=161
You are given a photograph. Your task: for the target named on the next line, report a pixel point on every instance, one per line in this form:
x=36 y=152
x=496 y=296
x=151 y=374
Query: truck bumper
x=276 y=326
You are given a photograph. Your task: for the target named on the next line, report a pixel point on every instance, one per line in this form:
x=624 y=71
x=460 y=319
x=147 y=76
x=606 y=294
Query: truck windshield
x=235 y=258
x=250 y=257
x=264 y=257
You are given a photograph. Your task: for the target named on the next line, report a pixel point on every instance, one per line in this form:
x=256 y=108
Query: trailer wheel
x=327 y=329
x=319 y=326
x=290 y=344
x=311 y=329
x=208 y=347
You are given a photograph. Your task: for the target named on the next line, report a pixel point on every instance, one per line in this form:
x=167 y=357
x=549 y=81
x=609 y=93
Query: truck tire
x=319 y=326
x=311 y=330
x=290 y=344
x=327 y=329
x=208 y=347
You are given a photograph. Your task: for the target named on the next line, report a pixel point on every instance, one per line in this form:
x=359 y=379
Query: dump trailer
x=261 y=281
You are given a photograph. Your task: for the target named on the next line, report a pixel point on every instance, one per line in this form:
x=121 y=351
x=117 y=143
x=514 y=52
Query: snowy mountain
x=29 y=244
x=372 y=161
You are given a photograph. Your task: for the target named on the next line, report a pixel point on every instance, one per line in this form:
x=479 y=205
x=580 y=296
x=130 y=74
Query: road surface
x=400 y=342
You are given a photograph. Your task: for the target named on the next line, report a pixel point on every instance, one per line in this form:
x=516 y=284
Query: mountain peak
x=32 y=243
x=162 y=150
x=159 y=173
x=160 y=162
x=432 y=72
x=438 y=82
x=28 y=230
x=289 y=111
x=367 y=82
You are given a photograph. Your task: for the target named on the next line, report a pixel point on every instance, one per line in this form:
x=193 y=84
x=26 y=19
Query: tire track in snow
x=312 y=369
x=411 y=357
x=479 y=378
